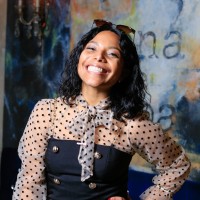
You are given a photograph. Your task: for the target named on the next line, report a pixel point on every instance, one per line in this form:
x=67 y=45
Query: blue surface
x=140 y=181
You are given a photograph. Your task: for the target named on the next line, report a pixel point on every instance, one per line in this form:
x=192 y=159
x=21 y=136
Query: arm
x=30 y=182
x=168 y=157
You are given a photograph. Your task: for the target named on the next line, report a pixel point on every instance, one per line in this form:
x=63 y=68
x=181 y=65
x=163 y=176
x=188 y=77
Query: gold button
x=55 y=149
x=92 y=185
x=56 y=181
x=97 y=155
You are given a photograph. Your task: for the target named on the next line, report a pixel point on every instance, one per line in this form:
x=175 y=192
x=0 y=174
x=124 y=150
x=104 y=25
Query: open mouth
x=96 y=69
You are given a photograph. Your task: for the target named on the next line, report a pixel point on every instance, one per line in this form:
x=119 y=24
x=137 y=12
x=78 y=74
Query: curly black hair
x=127 y=97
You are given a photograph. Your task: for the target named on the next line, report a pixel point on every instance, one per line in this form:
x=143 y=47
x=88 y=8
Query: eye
x=112 y=54
x=91 y=48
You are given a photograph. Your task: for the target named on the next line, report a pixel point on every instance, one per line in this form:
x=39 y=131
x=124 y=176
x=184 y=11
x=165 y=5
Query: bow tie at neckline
x=83 y=125
x=103 y=104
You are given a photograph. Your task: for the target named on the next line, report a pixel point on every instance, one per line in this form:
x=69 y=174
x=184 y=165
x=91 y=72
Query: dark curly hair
x=128 y=97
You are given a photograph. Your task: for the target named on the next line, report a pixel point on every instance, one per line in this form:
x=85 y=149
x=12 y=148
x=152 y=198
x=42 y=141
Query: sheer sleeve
x=30 y=182
x=169 y=158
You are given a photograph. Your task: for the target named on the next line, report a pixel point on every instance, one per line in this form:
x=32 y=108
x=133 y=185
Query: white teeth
x=94 y=69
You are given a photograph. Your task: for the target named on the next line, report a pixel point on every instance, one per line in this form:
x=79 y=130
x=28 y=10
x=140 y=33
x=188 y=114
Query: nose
x=100 y=57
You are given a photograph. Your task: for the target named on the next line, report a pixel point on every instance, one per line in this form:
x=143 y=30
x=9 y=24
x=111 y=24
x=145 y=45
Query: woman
x=79 y=145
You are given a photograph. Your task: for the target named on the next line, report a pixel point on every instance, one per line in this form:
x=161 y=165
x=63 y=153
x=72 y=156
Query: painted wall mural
x=32 y=68
x=168 y=42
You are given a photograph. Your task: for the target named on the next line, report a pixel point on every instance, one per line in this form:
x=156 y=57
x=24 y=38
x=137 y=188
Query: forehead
x=107 y=37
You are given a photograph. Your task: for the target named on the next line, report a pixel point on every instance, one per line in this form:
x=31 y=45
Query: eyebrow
x=111 y=47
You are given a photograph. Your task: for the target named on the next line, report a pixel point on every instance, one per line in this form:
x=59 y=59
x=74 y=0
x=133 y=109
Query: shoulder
x=144 y=131
x=48 y=103
x=143 y=124
x=51 y=106
x=46 y=108
x=43 y=104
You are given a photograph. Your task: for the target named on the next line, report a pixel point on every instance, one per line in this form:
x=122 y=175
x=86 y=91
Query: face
x=100 y=64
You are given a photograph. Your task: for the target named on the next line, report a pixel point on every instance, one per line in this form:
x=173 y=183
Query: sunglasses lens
x=99 y=22
x=125 y=29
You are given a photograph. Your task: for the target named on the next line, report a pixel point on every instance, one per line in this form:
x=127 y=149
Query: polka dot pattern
x=134 y=136
x=85 y=122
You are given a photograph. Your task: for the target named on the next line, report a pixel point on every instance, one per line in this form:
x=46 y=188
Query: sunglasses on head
x=124 y=28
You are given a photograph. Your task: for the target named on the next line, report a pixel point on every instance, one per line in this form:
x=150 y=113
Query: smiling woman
x=79 y=145
x=100 y=65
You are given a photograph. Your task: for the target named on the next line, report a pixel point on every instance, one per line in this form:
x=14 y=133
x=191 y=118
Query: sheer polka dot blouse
x=135 y=136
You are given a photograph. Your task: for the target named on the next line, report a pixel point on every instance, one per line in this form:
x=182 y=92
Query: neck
x=93 y=97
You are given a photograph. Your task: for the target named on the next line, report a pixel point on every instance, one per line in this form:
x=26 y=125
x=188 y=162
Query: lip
x=104 y=70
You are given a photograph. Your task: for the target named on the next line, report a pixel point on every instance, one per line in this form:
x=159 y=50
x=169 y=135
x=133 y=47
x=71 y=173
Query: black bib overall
x=63 y=172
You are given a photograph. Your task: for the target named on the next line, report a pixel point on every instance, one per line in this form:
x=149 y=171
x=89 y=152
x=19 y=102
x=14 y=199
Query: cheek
x=119 y=70
x=79 y=70
x=80 y=62
x=79 y=67
x=82 y=59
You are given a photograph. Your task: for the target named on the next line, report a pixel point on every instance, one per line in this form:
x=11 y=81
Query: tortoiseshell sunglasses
x=124 y=28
